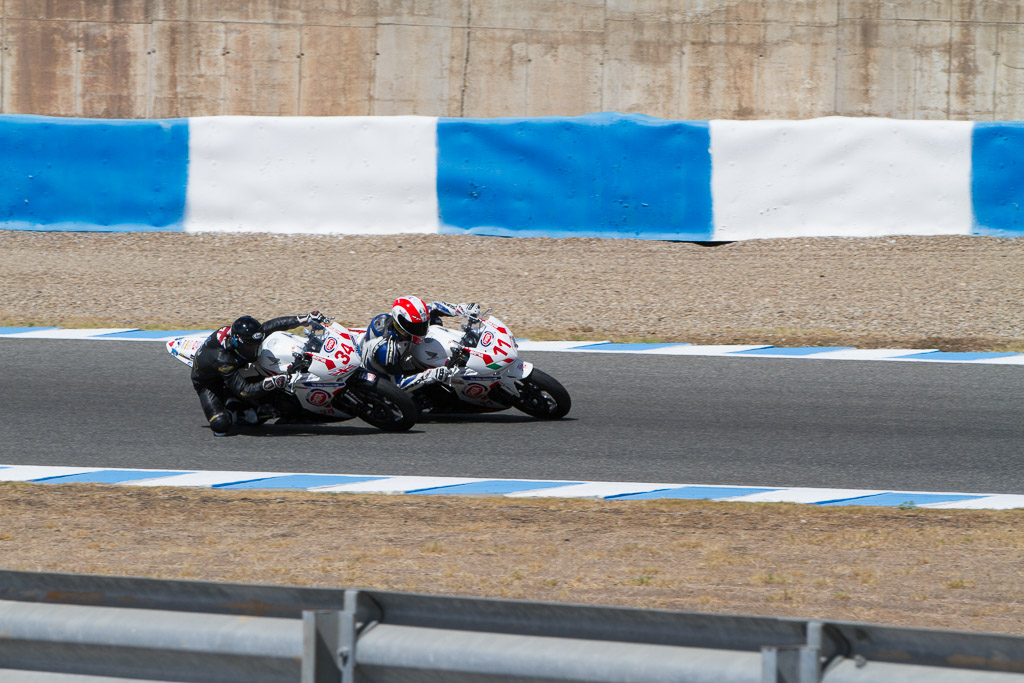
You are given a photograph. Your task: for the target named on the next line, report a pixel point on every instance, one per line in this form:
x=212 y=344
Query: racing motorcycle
x=487 y=373
x=332 y=385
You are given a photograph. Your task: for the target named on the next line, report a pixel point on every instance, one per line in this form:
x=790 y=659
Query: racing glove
x=445 y=308
x=312 y=317
x=286 y=381
x=468 y=310
x=430 y=376
x=442 y=374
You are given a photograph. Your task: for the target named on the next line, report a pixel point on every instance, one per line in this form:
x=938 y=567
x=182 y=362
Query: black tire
x=386 y=407
x=542 y=396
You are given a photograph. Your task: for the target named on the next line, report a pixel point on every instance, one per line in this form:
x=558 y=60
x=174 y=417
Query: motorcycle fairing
x=330 y=367
x=493 y=361
x=185 y=348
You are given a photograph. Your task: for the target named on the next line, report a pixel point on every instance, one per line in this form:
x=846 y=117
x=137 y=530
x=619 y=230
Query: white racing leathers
x=386 y=351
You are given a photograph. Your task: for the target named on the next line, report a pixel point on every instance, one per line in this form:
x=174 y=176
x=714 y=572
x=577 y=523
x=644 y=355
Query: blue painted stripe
x=19 y=330
x=599 y=175
x=997 y=166
x=638 y=346
x=496 y=487
x=692 y=493
x=957 y=355
x=92 y=174
x=106 y=477
x=790 y=350
x=896 y=499
x=296 y=481
x=150 y=334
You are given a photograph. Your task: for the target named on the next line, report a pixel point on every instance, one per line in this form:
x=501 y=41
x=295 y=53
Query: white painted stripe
x=1005 y=360
x=657 y=351
x=68 y=334
x=396 y=484
x=851 y=177
x=553 y=345
x=204 y=479
x=779 y=352
x=30 y=472
x=968 y=361
x=870 y=354
x=993 y=502
x=710 y=349
x=591 y=489
x=317 y=175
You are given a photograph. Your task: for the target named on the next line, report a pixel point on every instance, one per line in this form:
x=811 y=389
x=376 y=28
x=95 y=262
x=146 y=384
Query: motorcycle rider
x=216 y=369
x=389 y=338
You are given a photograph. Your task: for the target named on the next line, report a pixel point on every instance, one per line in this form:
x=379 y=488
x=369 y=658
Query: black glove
x=312 y=317
x=279 y=382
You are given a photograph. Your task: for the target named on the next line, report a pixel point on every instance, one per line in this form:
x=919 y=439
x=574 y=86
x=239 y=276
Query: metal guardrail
x=62 y=628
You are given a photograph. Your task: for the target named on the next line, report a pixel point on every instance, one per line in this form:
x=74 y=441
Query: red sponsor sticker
x=331 y=343
x=318 y=397
x=475 y=390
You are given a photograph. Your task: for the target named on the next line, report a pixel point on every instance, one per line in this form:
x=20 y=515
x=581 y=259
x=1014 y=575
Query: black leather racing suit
x=217 y=377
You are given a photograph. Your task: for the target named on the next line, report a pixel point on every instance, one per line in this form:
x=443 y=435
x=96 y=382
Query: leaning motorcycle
x=332 y=385
x=487 y=373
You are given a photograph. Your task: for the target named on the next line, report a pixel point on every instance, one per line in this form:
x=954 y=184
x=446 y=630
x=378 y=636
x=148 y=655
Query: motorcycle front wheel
x=542 y=396
x=386 y=407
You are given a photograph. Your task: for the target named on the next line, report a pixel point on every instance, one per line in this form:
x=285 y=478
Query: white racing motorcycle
x=487 y=373
x=332 y=387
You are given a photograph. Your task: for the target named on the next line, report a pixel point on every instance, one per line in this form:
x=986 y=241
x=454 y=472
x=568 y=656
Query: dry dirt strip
x=947 y=569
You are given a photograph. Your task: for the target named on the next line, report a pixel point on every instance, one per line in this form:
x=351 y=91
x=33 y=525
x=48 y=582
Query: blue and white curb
x=507 y=488
x=653 y=349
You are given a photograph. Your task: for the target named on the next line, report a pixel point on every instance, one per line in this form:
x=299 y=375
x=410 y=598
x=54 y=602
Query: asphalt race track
x=696 y=420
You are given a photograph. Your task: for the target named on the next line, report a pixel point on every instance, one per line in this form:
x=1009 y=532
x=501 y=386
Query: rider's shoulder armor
x=214 y=358
x=379 y=326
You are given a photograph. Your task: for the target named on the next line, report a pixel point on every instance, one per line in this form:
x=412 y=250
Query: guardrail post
x=800 y=664
x=328 y=643
x=794 y=664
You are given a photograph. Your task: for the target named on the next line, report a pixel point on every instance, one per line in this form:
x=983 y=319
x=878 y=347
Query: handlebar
x=314 y=342
x=470 y=337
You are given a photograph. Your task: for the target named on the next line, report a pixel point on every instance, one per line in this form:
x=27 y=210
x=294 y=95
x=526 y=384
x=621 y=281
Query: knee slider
x=221 y=423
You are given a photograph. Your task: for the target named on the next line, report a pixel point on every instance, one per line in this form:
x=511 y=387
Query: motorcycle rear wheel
x=386 y=407
x=542 y=396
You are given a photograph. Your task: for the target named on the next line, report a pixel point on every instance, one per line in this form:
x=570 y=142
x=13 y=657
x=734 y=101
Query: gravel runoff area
x=952 y=569
x=951 y=293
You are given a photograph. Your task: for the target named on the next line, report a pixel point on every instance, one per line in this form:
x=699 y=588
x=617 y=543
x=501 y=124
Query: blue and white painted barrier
x=599 y=175
x=509 y=488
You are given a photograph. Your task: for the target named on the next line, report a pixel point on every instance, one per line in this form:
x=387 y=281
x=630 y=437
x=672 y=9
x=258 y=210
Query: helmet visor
x=412 y=329
x=247 y=349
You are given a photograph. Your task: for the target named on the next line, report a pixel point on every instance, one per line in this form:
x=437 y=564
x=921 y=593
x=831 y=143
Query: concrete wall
x=676 y=59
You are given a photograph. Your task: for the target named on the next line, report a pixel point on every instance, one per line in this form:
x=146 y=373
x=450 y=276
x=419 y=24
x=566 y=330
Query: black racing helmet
x=246 y=337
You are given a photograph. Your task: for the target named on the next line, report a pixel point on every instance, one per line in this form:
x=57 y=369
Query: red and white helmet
x=411 y=318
